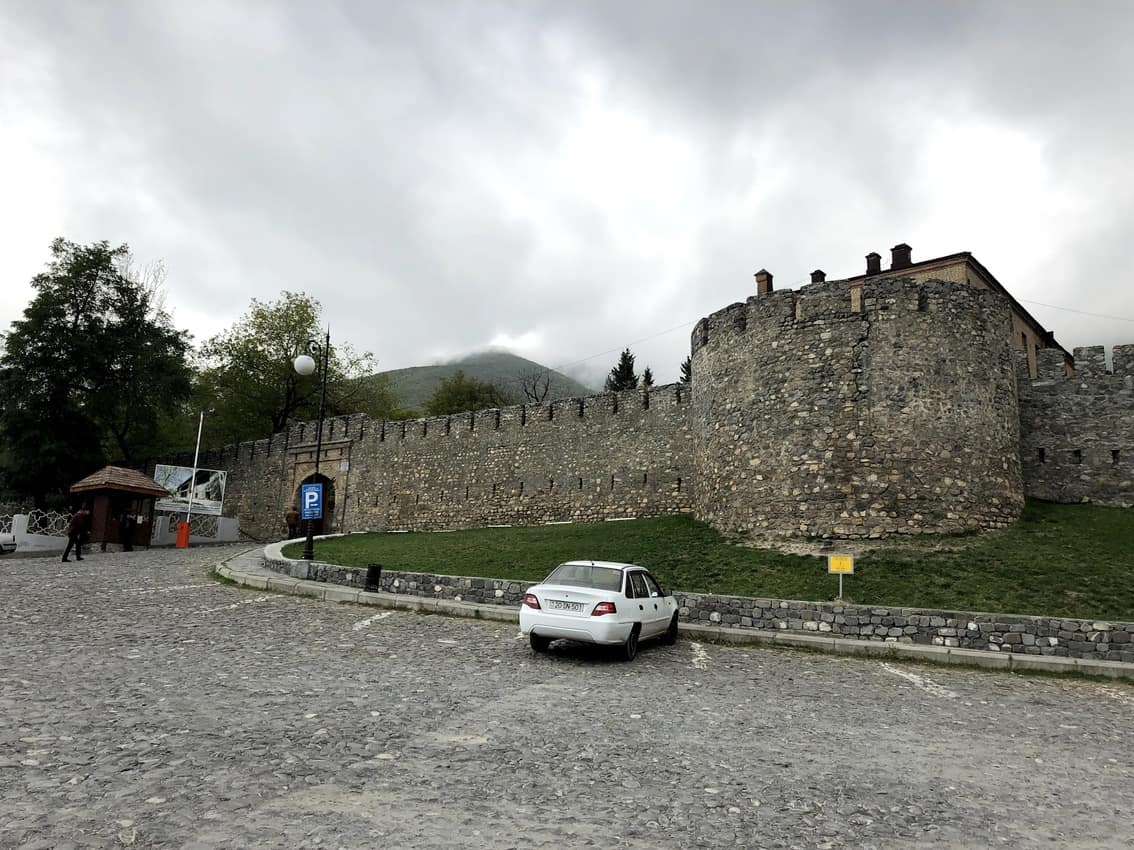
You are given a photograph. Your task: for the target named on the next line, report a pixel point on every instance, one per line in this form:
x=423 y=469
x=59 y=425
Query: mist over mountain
x=413 y=386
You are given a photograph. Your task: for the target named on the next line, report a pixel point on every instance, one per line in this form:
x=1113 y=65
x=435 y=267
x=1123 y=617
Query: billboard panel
x=207 y=489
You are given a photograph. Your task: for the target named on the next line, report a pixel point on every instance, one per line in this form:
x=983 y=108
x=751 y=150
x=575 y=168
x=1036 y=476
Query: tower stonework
x=820 y=417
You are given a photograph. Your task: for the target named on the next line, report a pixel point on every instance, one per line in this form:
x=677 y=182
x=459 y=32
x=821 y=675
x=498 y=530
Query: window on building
x=1041 y=455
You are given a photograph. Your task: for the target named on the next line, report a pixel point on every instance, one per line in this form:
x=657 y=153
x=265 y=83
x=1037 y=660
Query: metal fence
x=5 y=523
x=201 y=525
x=205 y=525
x=48 y=523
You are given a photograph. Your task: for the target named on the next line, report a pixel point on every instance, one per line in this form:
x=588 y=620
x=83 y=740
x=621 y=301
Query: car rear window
x=585 y=575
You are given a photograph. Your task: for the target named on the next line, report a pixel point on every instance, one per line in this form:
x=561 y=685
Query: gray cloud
x=569 y=177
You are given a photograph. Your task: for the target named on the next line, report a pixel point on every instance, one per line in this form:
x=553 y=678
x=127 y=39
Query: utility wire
x=1080 y=312
x=627 y=345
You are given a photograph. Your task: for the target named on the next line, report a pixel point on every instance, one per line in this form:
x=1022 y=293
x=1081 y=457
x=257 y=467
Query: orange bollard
x=183 y=535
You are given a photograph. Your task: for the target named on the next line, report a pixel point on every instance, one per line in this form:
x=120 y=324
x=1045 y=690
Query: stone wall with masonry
x=818 y=413
x=1068 y=638
x=610 y=456
x=1077 y=432
x=828 y=412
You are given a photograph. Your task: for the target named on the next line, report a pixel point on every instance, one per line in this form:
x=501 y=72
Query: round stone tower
x=854 y=410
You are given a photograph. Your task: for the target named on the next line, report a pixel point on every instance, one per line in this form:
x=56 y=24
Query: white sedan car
x=7 y=543
x=598 y=602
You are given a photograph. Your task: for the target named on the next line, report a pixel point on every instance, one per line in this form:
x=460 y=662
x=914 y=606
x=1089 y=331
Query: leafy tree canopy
x=249 y=384
x=457 y=394
x=687 y=370
x=88 y=373
x=647 y=377
x=622 y=376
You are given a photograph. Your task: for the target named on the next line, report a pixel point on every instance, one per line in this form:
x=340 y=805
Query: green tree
x=458 y=393
x=622 y=376
x=687 y=370
x=88 y=373
x=248 y=382
x=647 y=378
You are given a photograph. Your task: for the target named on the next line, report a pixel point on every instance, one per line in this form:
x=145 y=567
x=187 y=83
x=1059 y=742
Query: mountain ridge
x=414 y=385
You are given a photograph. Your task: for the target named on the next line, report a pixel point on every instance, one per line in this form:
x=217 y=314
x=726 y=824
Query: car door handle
x=641 y=607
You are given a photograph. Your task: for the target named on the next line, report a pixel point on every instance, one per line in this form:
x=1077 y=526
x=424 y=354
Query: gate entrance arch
x=326 y=524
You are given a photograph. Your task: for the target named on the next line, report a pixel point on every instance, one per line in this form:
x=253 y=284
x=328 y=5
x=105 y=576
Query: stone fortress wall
x=611 y=456
x=825 y=417
x=1077 y=431
x=895 y=405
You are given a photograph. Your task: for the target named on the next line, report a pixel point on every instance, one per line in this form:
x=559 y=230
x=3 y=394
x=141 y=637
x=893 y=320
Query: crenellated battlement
x=835 y=301
x=1089 y=364
x=561 y=413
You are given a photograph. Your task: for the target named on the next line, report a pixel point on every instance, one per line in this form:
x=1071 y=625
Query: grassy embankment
x=1059 y=560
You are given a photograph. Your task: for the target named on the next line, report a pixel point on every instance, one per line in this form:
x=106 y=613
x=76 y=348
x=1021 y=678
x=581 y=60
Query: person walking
x=77 y=531
x=292 y=520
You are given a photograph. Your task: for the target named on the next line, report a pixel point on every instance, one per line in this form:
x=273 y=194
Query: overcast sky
x=567 y=179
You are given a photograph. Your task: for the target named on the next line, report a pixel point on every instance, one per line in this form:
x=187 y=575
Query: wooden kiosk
x=122 y=505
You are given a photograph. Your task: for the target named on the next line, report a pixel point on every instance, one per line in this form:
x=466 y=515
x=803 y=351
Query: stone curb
x=1007 y=661
x=247 y=570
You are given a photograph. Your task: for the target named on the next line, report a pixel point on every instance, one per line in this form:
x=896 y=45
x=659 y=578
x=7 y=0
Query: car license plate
x=564 y=605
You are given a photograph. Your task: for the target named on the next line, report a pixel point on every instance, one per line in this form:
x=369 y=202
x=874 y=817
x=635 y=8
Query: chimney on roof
x=900 y=256
x=763 y=282
x=818 y=276
x=874 y=263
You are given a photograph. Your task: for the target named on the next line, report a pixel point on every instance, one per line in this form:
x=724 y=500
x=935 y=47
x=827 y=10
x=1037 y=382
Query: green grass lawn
x=1059 y=560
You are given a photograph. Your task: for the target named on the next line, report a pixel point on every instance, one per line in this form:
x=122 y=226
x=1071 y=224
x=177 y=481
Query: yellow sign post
x=841 y=565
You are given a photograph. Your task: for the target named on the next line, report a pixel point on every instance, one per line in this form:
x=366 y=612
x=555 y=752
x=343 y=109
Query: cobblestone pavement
x=143 y=704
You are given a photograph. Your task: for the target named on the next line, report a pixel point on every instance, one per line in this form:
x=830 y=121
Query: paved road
x=142 y=704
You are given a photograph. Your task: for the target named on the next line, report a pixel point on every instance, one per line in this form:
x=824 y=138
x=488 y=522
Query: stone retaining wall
x=1052 y=636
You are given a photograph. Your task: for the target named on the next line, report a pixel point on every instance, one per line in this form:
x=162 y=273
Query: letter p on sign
x=311 y=501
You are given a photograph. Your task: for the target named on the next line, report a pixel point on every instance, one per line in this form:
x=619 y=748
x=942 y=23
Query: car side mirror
x=654 y=594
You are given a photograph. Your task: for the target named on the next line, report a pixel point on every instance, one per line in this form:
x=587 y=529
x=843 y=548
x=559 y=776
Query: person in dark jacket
x=291 y=518
x=77 y=530
x=126 y=532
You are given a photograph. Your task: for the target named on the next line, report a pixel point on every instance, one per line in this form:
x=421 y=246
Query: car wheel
x=670 y=636
x=539 y=643
x=630 y=648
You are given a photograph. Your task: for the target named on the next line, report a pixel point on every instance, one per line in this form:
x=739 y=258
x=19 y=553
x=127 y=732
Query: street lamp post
x=305 y=364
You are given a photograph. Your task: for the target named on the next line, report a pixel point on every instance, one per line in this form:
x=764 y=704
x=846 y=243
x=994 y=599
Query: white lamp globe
x=304 y=364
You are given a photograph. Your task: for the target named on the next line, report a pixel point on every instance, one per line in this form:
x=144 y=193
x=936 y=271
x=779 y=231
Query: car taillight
x=604 y=608
x=531 y=601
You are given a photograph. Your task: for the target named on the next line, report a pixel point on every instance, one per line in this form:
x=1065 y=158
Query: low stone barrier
x=1052 y=636
x=483 y=591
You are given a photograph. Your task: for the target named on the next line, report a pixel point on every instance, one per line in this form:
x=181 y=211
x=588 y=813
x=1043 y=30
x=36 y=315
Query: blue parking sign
x=311 y=501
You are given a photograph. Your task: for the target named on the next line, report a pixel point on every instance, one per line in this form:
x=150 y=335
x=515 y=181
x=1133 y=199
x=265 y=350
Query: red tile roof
x=120 y=478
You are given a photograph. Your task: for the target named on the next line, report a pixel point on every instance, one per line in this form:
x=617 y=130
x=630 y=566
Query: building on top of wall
x=1027 y=334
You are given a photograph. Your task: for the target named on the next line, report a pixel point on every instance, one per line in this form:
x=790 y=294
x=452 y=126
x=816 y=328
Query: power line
x=1080 y=312
x=627 y=345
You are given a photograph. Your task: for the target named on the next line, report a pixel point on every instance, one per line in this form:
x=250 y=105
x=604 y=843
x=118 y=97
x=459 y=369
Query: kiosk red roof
x=119 y=478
